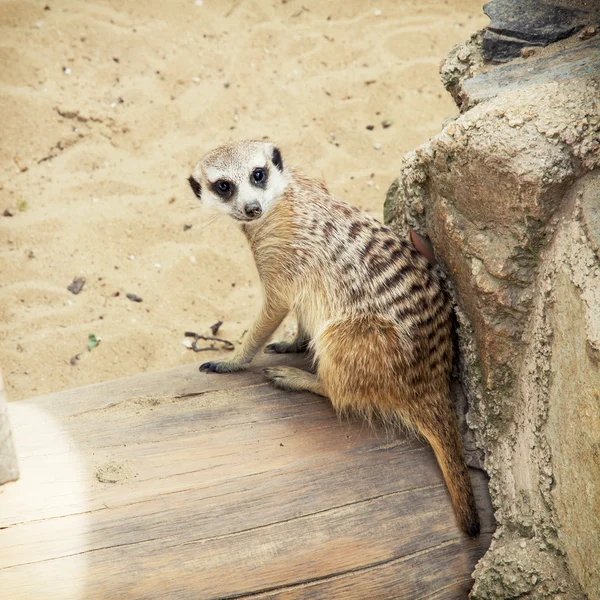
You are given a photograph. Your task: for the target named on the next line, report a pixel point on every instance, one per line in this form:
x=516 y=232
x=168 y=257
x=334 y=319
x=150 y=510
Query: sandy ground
x=106 y=105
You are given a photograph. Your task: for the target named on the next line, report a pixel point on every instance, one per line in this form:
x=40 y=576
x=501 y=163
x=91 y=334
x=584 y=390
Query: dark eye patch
x=258 y=177
x=223 y=188
x=196 y=187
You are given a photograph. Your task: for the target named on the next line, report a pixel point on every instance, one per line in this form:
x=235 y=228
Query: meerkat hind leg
x=295 y=380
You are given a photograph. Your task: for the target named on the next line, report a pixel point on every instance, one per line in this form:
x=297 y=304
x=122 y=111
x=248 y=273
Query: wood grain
x=187 y=485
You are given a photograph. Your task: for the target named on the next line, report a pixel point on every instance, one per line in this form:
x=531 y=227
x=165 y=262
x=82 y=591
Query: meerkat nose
x=253 y=210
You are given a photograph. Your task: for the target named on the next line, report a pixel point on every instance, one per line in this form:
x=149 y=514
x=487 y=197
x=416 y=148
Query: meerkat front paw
x=280 y=348
x=222 y=366
x=286 y=347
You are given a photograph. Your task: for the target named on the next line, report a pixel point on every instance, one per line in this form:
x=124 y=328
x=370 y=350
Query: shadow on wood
x=183 y=484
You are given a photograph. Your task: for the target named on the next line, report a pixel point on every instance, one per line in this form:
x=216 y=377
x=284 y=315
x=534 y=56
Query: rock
x=9 y=468
x=501 y=48
x=515 y=24
x=508 y=193
x=214 y=328
x=578 y=61
x=590 y=212
x=76 y=285
x=463 y=62
x=588 y=32
x=528 y=52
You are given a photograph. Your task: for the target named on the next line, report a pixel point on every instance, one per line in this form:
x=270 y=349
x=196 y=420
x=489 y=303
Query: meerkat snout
x=244 y=189
x=253 y=210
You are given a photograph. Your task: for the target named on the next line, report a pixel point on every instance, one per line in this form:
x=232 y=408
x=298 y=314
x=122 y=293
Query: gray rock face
x=580 y=61
x=516 y=24
x=509 y=194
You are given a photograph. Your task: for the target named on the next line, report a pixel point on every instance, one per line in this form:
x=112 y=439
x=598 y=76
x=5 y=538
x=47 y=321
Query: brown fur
x=374 y=312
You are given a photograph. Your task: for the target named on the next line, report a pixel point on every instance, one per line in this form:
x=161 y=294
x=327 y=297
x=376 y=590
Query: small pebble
x=193 y=260
x=387 y=123
x=377 y=146
x=134 y=298
x=370 y=127
x=377 y=12
x=588 y=32
x=66 y=70
x=77 y=285
x=131 y=257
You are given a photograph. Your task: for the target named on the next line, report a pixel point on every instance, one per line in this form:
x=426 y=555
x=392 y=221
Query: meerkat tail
x=441 y=431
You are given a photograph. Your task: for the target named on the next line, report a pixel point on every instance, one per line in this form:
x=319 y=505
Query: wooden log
x=183 y=484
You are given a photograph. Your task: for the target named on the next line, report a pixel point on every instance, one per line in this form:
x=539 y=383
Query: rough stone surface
x=9 y=470
x=463 y=62
x=502 y=48
x=508 y=193
x=464 y=72
x=515 y=24
x=576 y=62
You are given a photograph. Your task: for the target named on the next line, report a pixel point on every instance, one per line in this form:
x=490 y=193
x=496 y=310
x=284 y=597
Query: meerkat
x=369 y=307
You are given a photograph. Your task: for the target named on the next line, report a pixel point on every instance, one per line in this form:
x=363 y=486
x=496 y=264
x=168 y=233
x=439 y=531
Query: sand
x=106 y=106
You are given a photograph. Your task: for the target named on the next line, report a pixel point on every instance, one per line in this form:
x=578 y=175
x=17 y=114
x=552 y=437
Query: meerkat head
x=242 y=179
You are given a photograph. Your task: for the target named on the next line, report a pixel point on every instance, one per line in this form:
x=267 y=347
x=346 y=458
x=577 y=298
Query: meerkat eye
x=223 y=188
x=259 y=177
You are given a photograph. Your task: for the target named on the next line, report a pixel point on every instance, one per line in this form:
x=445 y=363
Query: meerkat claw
x=279 y=348
x=220 y=367
x=276 y=377
x=286 y=347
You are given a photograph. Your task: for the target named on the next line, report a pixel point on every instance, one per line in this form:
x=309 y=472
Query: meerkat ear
x=196 y=187
x=276 y=158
